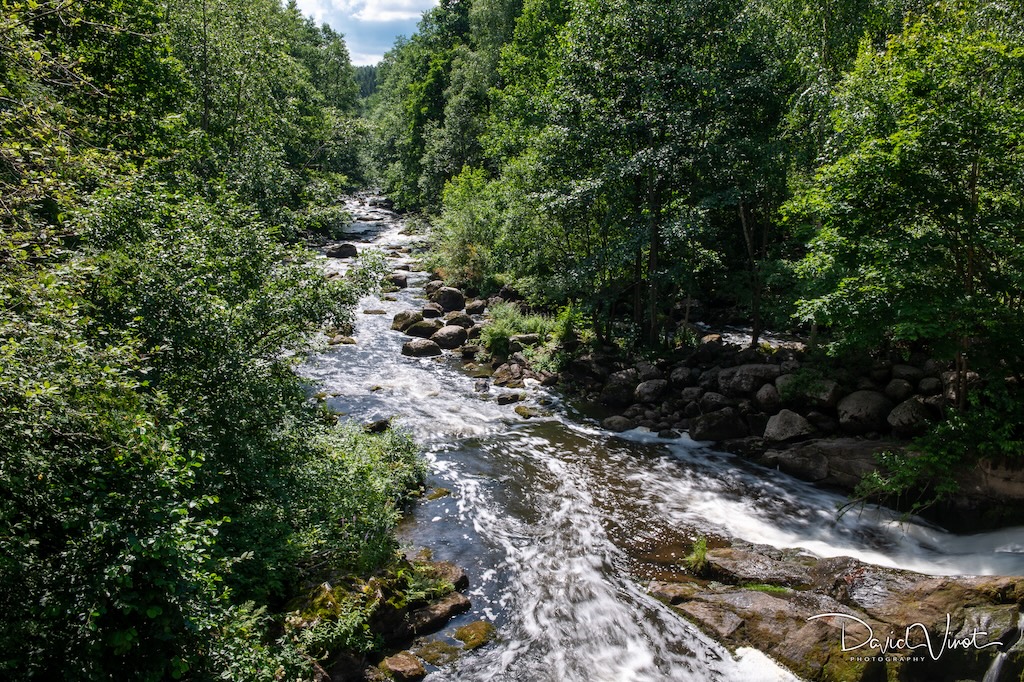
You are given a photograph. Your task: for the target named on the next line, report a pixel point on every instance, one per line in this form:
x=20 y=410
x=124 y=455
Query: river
x=560 y=525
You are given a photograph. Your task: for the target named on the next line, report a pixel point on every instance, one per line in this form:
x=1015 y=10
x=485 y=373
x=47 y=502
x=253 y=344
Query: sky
x=370 y=26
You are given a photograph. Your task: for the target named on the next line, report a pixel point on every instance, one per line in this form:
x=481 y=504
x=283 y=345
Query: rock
x=930 y=386
x=432 y=310
x=450 y=337
x=509 y=398
x=398 y=279
x=379 y=426
x=649 y=391
x=620 y=387
x=648 y=372
x=424 y=329
x=527 y=412
x=768 y=399
x=432 y=286
x=421 y=348
x=864 y=411
x=404 y=667
x=691 y=394
x=461 y=319
x=907 y=373
x=673 y=593
x=449 y=298
x=476 y=330
x=342 y=251
x=448 y=572
x=721 y=425
x=517 y=342
x=910 y=417
x=708 y=379
x=898 y=390
x=681 y=376
x=711 y=402
x=618 y=424
x=787 y=425
x=745 y=379
x=430 y=618
x=341 y=340
x=951 y=384
x=668 y=434
x=736 y=565
x=476 y=307
x=482 y=386
x=476 y=634
x=809 y=391
x=835 y=461
x=823 y=422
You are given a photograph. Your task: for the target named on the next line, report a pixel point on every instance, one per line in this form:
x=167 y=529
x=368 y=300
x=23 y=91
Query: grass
x=697 y=559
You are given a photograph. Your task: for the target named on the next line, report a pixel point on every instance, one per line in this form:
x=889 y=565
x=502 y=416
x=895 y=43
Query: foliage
x=697 y=559
x=508 y=320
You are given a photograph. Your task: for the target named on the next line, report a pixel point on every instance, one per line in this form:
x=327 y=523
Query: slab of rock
x=787 y=425
x=712 y=401
x=650 y=391
x=738 y=565
x=864 y=411
x=424 y=329
x=421 y=348
x=433 y=617
x=907 y=373
x=403 y=666
x=449 y=298
x=450 y=337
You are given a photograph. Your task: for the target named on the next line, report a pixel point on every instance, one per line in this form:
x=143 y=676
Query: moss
x=475 y=634
x=437 y=652
x=763 y=587
x=438 y=493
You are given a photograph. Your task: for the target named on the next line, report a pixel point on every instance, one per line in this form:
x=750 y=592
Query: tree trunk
x=755 y=276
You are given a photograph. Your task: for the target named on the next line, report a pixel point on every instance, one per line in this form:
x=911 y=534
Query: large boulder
x=712 y=402
x=449 y=298
x=767 y=398
x=620 y=387
x=476 y=307
x=450 y=337
x=745 y=379
x=342 y=251
x=864 y=411
x=721 y=425
x=649 y=391
x=907 y=373
x=432 y=286
x=646 y=371
x=898 y=390
x=406 y=319
x=787 y=425
x=398 y=279
x=403 y=667
x=424 y=329
x=910 y=417
x=461 y=319
x=618 y=424
x=420 y=348
x=432 y=310
x=809 y=391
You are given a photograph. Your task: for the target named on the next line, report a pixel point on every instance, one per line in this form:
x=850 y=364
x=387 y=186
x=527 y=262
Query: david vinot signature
x=893 y=644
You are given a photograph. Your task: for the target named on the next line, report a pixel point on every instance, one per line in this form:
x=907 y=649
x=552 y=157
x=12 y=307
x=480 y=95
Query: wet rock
x=406 y=318
x=620 y=387
x=721 y=425
x=745 y=379
x=690 y=395
x=379 y=426
x=668 y=434
x=673 y=593
x=341 y=340
x=787 y=425
x=424 y=329
x=864 y=411
x=650 y=391
x=375 y=311
x=898 y=390
x=342 y=251
x=476 y=307
x=398 y=279
x=509 y=398
x=682 y=376
x=450 y=337
x=711 y=402
x=910 y=417
x=432 y=287
x=648 y=372
x=449 y=298
x=432 y=617
x=461 y=319
x=835 y=461
x=421 y=348
x=618 y=424
x=482 y=386
x=432 y=310
x=527 y=412
x=438 y=652
x=448 y=572
x=476 y=634
x=737 y=565
x=404 y=667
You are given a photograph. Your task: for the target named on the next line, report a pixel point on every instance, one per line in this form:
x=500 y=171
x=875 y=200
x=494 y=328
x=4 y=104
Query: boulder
x=398 y=279
x=649 y=391
x=787 y=425
x=690 y=395
x=835 y=461
x=864 y=411
x=423 y=329
x=898 y=390
x=682 y=376
x=432 y=310
x=476 y=307
x=809 y=391
x=404 y=667
x=647 y=372
x=618 y=424
x=475 y=634
x=461 y=319
x=910 y=417
x=518 y=342
x=342 y=251
x=745 y=379
x=449 y=298
x=420 y=348
x=907 y=373
x=930 y=386
x=767 y=398
x=721 y=425
x=620 y=387
x=432 y=286
x=432 y=617
x=712 y=402
x=450 y=337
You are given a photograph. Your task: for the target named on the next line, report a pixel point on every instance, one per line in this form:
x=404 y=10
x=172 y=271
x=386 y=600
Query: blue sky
x=370 y=26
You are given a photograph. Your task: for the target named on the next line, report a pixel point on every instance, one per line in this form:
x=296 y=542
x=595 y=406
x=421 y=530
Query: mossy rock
x=437 y=652
x=475 y=634
x=438 y=493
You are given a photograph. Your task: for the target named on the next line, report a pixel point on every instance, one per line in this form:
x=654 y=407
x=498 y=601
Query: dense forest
x=167 y=483
x=851 y=171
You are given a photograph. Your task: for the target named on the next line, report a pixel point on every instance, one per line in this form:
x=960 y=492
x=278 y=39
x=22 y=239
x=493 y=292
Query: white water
x=554 y=519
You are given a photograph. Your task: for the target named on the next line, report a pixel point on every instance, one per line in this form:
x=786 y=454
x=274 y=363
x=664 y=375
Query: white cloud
x=364 y=59
x=387 y=10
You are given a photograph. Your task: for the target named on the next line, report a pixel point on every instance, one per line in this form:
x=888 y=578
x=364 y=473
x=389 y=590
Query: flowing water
x=560 y=524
